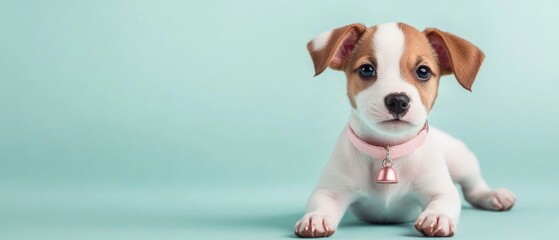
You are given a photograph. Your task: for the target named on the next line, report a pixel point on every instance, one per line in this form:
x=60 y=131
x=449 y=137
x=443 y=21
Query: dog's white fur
x=389 y=47
x=321 y=40
x=425 y=192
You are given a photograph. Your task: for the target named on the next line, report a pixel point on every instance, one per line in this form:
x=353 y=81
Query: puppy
x=393 y=73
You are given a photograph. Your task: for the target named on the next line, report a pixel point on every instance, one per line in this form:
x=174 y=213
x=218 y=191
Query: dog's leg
x=481 y=196
x=442 y=207
x=325 y=209
x=464 y=169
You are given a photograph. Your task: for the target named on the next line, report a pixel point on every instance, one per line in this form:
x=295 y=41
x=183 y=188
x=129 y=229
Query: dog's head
x=393 y=70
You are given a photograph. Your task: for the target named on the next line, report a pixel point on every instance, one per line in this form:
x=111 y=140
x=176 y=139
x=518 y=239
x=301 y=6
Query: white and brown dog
x=393 y=73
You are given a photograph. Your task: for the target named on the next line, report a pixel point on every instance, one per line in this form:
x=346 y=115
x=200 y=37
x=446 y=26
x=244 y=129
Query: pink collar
x=396 y=151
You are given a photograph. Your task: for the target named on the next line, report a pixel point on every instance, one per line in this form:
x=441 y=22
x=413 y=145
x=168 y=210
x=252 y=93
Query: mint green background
x=201 y=120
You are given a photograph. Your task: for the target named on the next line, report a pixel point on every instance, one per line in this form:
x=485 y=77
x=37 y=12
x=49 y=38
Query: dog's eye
x=367 y=71
x=423 y=73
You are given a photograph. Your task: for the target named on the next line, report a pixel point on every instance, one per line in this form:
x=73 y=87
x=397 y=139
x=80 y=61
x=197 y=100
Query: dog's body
x=378 y=62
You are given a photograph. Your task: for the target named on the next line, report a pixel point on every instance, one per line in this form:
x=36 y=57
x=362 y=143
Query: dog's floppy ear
x=331 y=49
x=456 y=55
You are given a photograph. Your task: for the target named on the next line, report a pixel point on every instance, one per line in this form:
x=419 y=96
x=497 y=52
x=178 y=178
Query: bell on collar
x=387 y=175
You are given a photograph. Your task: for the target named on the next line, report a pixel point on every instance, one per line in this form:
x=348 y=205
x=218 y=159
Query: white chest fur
x=376 y=202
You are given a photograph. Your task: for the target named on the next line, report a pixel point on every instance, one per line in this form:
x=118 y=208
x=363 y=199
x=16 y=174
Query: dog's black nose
x=397 y=104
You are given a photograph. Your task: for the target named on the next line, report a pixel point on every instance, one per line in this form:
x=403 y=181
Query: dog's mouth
x=395 y=122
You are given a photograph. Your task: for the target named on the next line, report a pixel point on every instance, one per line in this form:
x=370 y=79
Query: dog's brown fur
x=352 y=46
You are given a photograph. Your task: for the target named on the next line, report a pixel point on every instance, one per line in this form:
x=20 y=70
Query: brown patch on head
x=362 y=54
x=418 y=52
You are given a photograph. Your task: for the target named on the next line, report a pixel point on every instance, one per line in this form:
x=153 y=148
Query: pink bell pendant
x=387 y=175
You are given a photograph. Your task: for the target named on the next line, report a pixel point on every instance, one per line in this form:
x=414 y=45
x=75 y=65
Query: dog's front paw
x=315 y=225
x=497 y=200
x=435 y=225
